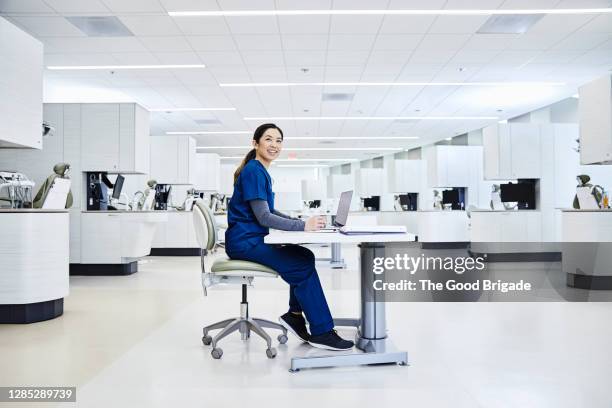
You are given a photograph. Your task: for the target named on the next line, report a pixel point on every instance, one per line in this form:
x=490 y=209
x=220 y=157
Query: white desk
x=371 y=337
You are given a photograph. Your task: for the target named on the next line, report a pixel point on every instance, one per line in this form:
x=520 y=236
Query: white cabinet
x=370 y=182
x=449 y=166
x=595 y=112
x=173 y=159
x=114 y=138
x=178 y=232
x=506 y=226
x=511 y=151
x=406 y=176
x=21 y=88
x=207 y=171
x=226 y=178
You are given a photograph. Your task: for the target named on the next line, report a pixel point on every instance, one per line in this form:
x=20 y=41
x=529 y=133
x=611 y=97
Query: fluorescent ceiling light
x=293 y=149
x=117 y=67
x=303 y=165
x=451 y=12
x=291 y=84
x=294 y=160
x=354 y=138
x=221 y=132
x=189 y=109
x=371 y=118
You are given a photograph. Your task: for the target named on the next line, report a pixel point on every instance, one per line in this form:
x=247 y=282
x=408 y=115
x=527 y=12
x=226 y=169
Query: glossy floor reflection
x=134 y=341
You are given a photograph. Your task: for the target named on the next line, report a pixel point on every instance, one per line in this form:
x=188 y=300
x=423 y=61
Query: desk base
x=372 y=352
x=175 y=252
x=31 y=312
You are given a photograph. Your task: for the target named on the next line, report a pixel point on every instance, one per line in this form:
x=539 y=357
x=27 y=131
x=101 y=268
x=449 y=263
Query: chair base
x=244 y=324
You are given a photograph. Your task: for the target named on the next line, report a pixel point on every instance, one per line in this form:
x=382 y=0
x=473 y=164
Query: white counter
x=34 y=251
x=505 y=226
x=117 y=238
x=587 y=248
x=439 y=226
x=177 y=236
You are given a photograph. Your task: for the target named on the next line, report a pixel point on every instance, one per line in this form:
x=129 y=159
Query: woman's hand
x=314 y=223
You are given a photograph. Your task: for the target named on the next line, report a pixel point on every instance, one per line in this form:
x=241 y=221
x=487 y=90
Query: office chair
x=230 y=271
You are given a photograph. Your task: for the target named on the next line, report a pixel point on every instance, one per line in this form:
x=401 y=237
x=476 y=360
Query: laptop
x=342 y=212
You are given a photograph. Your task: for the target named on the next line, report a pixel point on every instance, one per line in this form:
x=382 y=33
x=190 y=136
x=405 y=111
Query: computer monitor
x=409 y=201
x=118 y=186
x=521 y=193
x=450 y=197
x=314 y=204
x=372 y=202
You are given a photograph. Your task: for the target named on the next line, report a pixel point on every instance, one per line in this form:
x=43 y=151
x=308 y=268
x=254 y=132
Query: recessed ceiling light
x=115 y=67
x=204 y=132
x=509 y=24
x=100 y=26
x=258 y=118
x=452 y=12
x=189 y=109
x=292 y=84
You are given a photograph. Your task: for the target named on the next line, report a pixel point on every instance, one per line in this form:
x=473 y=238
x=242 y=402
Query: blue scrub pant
x=296 y=266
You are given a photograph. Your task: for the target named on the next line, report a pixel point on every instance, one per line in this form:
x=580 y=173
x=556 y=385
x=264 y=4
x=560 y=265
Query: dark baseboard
x=175 y=251
x=519 y=256
x=592 y=282
x=31 y=312
x=444 y=245
x=103 y=269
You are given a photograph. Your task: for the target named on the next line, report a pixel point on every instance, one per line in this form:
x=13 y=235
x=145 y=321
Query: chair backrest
x=56 y=196
x=205 y=225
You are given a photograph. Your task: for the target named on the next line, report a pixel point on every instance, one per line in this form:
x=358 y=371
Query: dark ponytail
x=252 y=154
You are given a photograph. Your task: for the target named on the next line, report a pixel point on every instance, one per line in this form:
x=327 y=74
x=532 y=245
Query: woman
x=250 y=215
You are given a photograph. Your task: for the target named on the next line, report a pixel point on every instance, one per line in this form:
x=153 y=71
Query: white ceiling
x=566 y=48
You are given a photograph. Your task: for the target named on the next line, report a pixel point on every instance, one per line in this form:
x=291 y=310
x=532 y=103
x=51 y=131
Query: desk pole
x=373 y=321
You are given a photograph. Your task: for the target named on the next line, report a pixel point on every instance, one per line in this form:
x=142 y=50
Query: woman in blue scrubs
x=251 y=214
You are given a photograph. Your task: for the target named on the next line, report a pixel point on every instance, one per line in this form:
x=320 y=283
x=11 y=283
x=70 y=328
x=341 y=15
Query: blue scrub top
x=253 y=183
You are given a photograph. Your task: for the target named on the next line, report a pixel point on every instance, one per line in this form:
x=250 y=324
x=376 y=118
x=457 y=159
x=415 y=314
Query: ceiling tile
x=302 y=5
x=582 y=41
x=48 y=26
x=80 y=59
x=252 y=25
x=406 y=24
x=256 y=42
x=172 y=58
x=166 y=44
x=304 y=24
x=220 y=58
x=304 y=41
x=246 y=5
x=127 y=58
x=355 y=24
x=347 y=57
x=133 y=6
x=202 y=25
x=560 y=23
x=78 y=6
x=305 y=58
x=457 y=24
x=21 y=6
x=346 y=42
x=599 y=24
x=151 y=25
x=94 y=44
x=266 y=58
x=189 y=5
x=397 y=41
x=191 y=77
x=212 y=43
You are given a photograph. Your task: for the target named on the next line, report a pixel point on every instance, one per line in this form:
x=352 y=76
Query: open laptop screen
x=343 y=208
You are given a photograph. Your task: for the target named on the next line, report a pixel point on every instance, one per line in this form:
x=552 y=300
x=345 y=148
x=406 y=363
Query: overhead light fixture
x=259 y=118
x=118 y=67
x=295 y=160
x=189 y=109
x=204 y=132
x=303 y=165
x=354 y=138
x=294 y=149
x=449 y=12
x=292 y=84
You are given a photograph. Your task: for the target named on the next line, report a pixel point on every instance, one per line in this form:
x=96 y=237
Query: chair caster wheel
x=271 y=352
x=206 y=340
x=216 y=353
x=282 y=338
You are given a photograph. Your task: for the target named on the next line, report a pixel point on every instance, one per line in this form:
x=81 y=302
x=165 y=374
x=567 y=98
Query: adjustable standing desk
x=372 y=340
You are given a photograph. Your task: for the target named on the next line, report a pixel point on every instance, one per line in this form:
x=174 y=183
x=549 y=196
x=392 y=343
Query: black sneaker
x=296 y=324
x=330 y=341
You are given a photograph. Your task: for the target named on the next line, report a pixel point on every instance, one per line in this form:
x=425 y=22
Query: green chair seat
x=235 y=266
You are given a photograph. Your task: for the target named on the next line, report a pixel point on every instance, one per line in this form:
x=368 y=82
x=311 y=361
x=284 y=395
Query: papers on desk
x=373 y=229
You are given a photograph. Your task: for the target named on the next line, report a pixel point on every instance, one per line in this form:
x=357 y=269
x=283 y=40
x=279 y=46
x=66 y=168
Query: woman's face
x=270 y=145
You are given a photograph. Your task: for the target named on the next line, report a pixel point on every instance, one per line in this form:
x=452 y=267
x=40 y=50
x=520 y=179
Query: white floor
x=134 y=341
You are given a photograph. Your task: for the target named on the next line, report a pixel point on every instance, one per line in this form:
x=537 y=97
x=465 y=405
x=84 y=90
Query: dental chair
x=230 y=271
